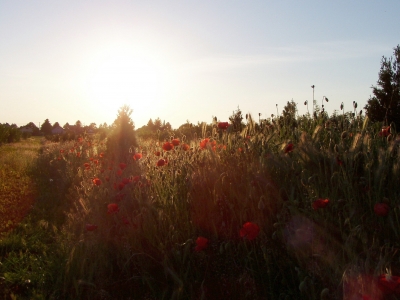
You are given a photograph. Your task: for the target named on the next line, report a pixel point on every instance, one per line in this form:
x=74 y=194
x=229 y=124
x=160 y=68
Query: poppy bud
x=112 y=208
x=381 y=209
x=91 y=227
x=250 y=231
x=201 y=243
x=320 y=203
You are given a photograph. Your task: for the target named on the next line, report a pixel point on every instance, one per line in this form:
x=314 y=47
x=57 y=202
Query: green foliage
x=9 y=133
x=191 y=131
x=157 y=130
x=384 y=106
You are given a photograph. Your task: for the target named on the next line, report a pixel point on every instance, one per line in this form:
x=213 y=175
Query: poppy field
x=296 y=208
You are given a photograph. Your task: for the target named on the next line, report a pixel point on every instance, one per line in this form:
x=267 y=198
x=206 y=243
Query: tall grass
x=16 y=191
x=130 y=228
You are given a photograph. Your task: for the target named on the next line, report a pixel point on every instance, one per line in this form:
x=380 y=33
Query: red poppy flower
x=91 y=227
x=61 y=151
x=137 y=156
x=101 y=155
x=80 y=140
x=121 y=185
x=320 y=203
x=201 y=243
x=78 y=154
x=119 y=172
x=122 y=166
x=385 y=131
x=87 y=166
x=185 y=147
x=112 y=208
x=223 y=147
x=250 y=231
x=389 y=284
x=205 y=142
x=95 y=161
x=175 y=142
x=168 y=146
x=126 y=180
x=381 y=209
x=157 y=153
x=289 y=148
x=136 y=179
x=161 y=162
x=97 y=181
x=107 y=178
x=223 y=125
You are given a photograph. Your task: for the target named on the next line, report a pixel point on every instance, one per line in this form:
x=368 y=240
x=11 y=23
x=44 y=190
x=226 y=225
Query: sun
x=122 y=77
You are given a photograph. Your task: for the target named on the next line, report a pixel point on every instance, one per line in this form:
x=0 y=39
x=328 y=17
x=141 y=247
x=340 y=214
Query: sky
x=187 y=60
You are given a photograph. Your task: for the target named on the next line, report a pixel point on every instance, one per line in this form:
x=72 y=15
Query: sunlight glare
x=124 y=78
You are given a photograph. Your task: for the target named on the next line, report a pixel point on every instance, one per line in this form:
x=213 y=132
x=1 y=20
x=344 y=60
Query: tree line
x=382 y=108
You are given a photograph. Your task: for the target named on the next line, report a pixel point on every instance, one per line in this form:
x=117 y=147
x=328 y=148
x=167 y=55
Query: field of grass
x=289 y=210
x=16 y=187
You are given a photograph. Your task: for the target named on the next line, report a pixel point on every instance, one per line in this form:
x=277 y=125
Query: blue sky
x=187 y=60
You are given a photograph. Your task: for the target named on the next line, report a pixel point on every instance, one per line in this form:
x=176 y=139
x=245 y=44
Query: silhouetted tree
x=122 y=137
x=236 y=120
x=103 y=130
x=46 y=127
x=167 y=126
x=157 y=124
x=150 y=124
x=385 y=104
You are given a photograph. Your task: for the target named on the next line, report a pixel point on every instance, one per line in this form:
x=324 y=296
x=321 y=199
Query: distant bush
x=9 y=134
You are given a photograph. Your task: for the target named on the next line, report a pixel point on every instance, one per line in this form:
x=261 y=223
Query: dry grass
x=16 y=187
